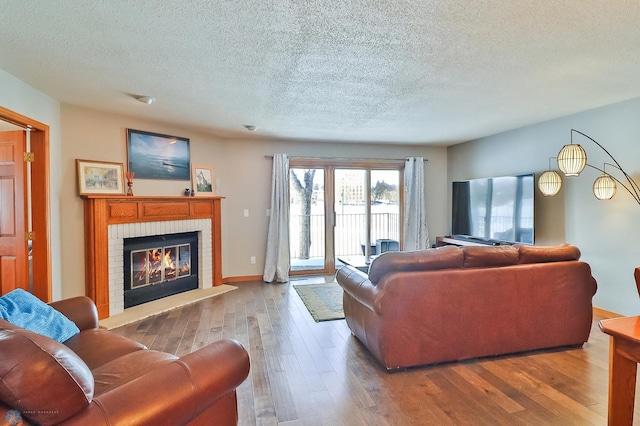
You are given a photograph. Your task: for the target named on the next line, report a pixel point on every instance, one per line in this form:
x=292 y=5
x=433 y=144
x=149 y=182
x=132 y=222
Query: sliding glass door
x=307 y=223
x=367 y=207
x=384 y=229
x=350 y=207
x=342 y=209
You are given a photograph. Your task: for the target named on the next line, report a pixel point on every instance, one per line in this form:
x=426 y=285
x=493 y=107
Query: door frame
x=41 y=246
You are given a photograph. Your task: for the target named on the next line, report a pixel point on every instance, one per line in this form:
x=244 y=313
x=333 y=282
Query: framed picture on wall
x=202 y=179
x=99 y=178
x=156 y=156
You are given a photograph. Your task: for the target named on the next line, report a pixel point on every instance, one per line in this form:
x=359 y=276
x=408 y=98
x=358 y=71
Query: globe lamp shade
x=604 y=187
x=549 y=183
x=572 y=159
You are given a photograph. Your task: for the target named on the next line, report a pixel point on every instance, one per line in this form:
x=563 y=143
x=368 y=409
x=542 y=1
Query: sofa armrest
x=357 y=285
x=216 y=370
x=81 y=310
x=174 y=394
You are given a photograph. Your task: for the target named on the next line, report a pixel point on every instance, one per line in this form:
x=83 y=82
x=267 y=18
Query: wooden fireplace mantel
x=101 y=211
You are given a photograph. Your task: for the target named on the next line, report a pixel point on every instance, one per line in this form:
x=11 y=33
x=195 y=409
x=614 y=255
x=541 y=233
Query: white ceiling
x=400 y=71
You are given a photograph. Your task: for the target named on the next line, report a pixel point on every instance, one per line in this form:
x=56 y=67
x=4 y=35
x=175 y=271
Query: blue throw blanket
x=23 y=309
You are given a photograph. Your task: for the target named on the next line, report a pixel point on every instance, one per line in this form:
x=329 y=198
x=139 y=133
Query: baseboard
x=228 y=280
x=606 y=314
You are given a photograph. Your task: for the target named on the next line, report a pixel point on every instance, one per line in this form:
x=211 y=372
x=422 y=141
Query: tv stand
x=452 y=241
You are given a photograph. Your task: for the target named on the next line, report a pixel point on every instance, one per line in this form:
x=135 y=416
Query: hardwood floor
x=307 y=373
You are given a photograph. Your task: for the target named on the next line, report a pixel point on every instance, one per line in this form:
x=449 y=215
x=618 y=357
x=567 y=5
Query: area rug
x=323 y=301
x=137 y=313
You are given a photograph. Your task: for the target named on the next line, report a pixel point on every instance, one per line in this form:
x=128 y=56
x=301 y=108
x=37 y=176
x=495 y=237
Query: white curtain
x=416 y=236
x=276 y=266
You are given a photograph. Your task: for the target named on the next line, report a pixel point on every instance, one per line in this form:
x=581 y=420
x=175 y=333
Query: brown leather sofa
x=98 y=377
x=453 y=303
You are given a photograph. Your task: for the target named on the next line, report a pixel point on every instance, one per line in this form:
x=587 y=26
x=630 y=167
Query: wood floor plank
x=566 y=415
x=347 y=386
x=461 y=409
x=283 y=394
x=532 y=381
x=417 y=402
x=308 y=373
x=318 y=401
x=573 y=380
x=201 y=336
x=486 y=388
x=343 y=399
x=510 y=389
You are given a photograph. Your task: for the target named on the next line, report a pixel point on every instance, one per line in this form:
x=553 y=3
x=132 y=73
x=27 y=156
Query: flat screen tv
x=494 y=210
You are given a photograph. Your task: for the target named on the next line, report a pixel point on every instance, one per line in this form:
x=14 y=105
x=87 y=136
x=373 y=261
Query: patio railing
x=349 y=235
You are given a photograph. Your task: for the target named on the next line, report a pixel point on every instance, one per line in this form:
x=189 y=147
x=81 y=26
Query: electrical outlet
x=268 y=212
x=253 y=260
x=246 y=212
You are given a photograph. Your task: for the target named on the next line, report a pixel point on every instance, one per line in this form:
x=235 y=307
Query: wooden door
x=13 y=247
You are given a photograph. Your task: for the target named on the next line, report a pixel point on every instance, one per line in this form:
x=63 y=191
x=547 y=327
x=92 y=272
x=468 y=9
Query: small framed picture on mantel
x=99 y=178
x=202 y=179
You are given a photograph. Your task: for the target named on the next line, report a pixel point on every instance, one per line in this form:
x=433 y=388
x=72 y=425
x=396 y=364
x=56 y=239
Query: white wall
x=19 y=97
x=605 y=231
x=242 y=174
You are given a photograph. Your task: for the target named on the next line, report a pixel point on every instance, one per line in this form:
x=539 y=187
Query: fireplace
x=158 y=266
x=109 y=220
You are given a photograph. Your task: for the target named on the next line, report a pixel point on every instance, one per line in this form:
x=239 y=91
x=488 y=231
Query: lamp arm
x=633 y=193
x=632 y=183
x=635 y=189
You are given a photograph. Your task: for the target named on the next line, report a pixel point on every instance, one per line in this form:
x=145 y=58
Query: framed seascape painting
x=156 y=156
x=99 y=178
x=202 y=179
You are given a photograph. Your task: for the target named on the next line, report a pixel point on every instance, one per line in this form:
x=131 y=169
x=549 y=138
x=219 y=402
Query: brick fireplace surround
x=110 y=219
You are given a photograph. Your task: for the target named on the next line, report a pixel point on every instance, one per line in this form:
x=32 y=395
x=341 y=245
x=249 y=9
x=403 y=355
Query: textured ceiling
x=376 y=71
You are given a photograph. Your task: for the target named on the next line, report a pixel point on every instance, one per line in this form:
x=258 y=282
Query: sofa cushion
x=97 y=347
x=489 y=256
x=29 y=363
x=127 y=368
x=539 y=254
x=23 y=309
x=420 y=260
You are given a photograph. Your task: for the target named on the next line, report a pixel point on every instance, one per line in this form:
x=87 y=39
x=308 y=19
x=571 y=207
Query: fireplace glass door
x=159 y=266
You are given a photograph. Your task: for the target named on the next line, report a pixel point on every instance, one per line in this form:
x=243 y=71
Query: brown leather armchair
x=98 y=377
